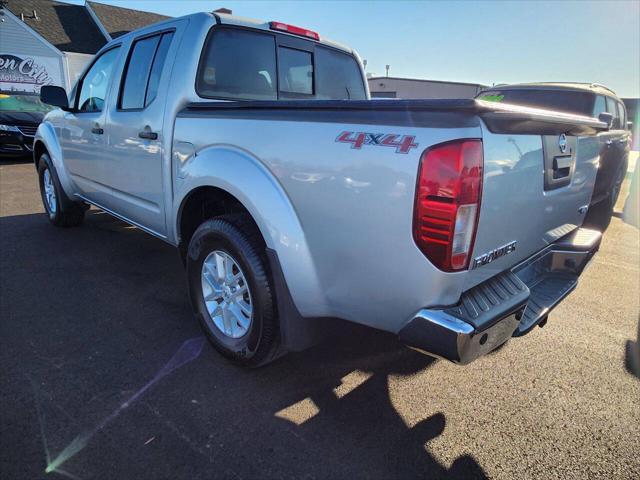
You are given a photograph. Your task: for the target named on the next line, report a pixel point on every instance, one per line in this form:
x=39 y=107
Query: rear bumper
x=509 y=304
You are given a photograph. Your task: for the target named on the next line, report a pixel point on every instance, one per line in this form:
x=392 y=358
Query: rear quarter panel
x=354 y=208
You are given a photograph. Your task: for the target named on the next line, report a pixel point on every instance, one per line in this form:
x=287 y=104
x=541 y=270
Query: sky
x=483 y=42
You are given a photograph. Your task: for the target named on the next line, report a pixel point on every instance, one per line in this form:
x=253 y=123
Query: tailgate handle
x=561 y=166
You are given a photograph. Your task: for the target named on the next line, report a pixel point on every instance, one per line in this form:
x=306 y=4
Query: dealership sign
x=28 y=73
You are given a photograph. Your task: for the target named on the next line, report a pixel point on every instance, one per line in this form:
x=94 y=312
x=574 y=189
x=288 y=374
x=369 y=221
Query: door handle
x=148 y=135
x=97 y=131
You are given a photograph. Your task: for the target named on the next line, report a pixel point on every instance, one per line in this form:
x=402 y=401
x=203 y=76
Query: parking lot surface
x=89 y=317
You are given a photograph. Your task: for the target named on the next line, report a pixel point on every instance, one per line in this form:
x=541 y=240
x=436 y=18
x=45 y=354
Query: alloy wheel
x=226 y=294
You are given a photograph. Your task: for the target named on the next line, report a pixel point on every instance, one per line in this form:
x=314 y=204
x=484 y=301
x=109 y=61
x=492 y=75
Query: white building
x=393 y=87
x=44 y=42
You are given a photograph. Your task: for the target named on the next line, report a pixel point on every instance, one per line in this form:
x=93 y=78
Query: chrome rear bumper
x=509 y=304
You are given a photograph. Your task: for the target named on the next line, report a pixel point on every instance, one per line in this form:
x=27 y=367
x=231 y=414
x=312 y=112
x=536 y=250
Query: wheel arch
x=46 y=141
x=244 y=182
x=38 y=149
x=202 y=203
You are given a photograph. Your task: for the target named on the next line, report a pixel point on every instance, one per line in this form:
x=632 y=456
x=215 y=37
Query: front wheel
x=231 y=290
x=60 y=210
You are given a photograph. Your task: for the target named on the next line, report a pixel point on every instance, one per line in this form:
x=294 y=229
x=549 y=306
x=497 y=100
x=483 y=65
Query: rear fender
x=242 y=175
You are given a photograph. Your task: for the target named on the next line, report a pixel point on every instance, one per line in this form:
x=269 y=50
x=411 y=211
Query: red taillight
x=448 y=203
x=294 y=30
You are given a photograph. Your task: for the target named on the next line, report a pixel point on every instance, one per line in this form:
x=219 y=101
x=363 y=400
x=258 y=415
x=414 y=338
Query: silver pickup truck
x=297 y=203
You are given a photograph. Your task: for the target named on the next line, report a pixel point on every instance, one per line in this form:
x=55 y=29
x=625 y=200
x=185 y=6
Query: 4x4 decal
x=402 y=143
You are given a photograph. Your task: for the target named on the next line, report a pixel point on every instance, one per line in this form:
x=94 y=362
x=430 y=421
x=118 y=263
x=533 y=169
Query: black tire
x=599 y=215
x=64 y=212
x=237 y=236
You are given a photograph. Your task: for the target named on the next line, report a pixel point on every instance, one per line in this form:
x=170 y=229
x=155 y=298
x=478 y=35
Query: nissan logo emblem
x=562 y=143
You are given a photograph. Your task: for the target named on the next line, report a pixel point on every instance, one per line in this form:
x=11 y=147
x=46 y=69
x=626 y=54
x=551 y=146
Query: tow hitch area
x=509 y=304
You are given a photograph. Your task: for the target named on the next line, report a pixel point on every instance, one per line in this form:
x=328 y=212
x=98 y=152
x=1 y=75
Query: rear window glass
x=239 y=65
x=339 y=76
x=295 y=71
x=242 y=65
x=580 y=103
x=22 y=103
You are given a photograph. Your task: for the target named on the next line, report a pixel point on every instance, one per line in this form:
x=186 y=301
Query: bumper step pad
x=507 y=305
x=492 y=300
x=545 y=295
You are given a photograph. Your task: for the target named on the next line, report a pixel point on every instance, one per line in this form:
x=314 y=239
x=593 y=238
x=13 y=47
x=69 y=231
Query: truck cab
x=114 y=127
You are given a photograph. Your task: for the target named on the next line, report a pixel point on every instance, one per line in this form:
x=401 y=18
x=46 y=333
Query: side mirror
x=607 y=118
x=629 y=125
x=55 y=96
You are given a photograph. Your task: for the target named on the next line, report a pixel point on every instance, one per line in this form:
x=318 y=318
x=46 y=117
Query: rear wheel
x=599 y=215
x=231 y=290
x=61 y=211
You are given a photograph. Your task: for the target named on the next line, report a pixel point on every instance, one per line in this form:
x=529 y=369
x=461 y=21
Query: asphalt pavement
x=97 y=382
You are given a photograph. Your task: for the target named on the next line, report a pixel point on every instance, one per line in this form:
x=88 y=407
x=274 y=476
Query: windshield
x=569 y=101
x=22 y=103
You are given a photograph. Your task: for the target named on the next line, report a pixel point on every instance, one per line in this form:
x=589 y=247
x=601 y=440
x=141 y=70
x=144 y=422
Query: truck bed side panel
x=355 y=207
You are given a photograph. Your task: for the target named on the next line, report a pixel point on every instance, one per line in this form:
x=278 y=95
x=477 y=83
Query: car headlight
x=9 y=128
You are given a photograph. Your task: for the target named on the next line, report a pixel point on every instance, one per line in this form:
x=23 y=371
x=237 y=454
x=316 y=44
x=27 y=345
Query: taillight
x=448 y=203
x=283 y=27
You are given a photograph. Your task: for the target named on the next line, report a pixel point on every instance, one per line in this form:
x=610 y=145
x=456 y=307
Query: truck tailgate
x=536 y=189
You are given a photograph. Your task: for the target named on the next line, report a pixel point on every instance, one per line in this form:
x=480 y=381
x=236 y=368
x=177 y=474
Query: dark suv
x=590 y=100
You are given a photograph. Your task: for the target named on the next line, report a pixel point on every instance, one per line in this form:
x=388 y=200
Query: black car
x=590 y=100
x=20 y=115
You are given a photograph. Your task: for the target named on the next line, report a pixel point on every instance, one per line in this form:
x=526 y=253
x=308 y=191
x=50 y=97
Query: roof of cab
x=224 y=19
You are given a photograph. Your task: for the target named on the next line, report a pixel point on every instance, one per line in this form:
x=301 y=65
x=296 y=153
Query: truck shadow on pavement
x=90 y=314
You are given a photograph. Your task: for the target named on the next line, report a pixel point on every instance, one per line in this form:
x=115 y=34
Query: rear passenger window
x=295 y=71
x=338 y=75
x=238 y=64
x=143 y=70
x=156 y=68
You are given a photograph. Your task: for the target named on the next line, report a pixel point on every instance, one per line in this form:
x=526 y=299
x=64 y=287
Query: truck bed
x=355 y=205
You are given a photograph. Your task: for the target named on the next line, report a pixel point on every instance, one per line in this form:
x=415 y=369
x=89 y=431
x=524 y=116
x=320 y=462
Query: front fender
x=46 y=135
x=242 y=175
